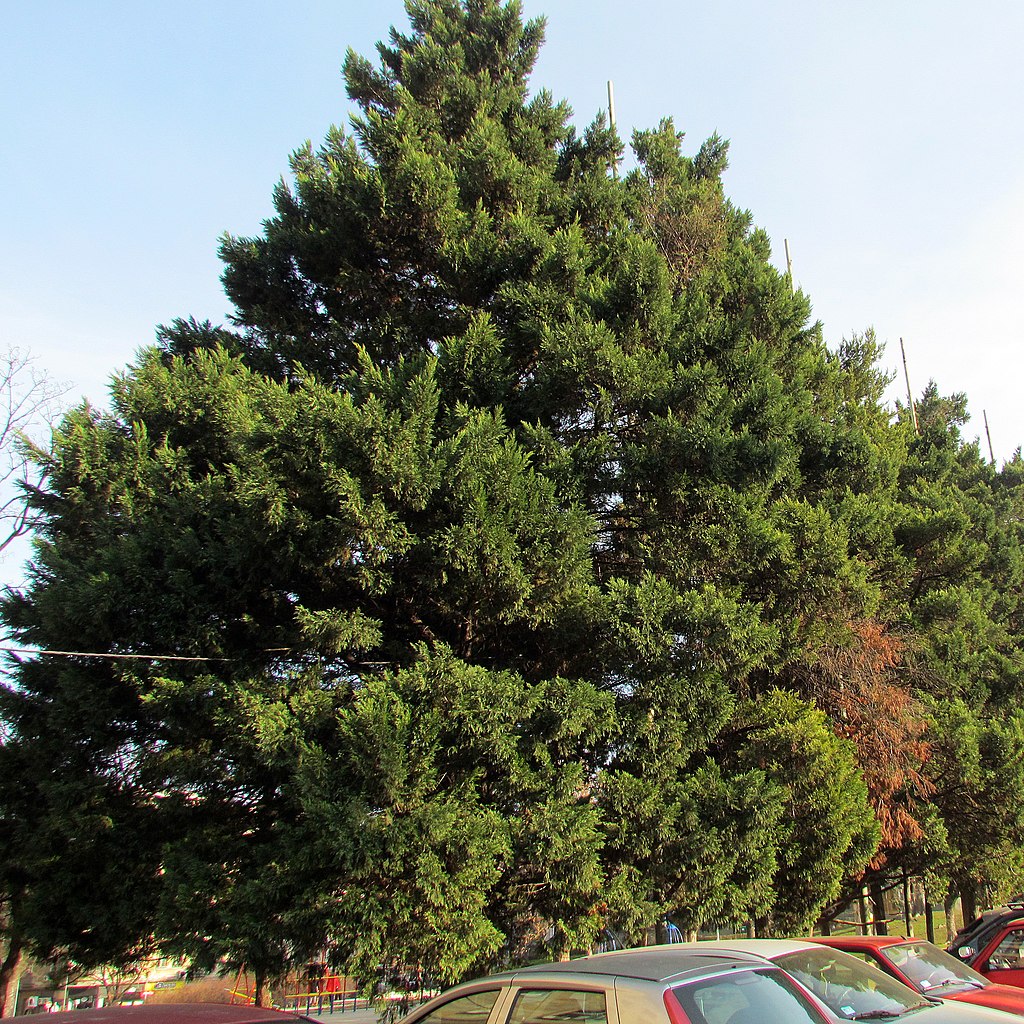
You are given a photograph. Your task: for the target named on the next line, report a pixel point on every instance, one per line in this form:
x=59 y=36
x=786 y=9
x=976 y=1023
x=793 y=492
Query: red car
x=993 y=944
x=176 y=1013
x=930 y=970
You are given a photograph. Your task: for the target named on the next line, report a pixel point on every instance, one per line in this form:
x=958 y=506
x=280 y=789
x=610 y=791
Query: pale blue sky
x=882 y=138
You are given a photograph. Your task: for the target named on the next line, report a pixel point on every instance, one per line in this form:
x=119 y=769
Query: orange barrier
x=327 y=993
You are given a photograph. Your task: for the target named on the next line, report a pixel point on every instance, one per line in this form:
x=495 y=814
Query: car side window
x=862 y=956
x=1010 y=951
x=474 y=1008
x=541 y=1006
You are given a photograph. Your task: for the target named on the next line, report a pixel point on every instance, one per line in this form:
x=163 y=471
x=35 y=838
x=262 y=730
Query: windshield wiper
x=875 y=1015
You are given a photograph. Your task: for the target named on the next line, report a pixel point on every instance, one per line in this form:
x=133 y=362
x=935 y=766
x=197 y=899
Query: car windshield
x=930 y=968
x=849 y=987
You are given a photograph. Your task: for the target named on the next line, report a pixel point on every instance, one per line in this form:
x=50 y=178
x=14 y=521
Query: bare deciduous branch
x=30 y=401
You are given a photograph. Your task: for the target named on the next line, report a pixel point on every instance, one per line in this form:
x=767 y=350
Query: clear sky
x=882 y=138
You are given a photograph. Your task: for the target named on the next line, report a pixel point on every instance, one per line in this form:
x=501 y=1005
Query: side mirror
x=965 y=952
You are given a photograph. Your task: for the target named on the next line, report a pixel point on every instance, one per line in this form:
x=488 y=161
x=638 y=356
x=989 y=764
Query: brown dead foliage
x=863 y=687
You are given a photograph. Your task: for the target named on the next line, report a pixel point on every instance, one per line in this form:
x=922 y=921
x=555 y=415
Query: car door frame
x=1001 y=975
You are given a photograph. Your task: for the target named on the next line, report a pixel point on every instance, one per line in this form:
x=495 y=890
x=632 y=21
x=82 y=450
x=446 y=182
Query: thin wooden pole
x=988 y=434
x=910 y=395
x=789 y=265
x=611 y=124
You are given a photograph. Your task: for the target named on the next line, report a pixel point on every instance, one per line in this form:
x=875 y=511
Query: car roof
x=767 y=948
x=988 y=917
x=649 y=963
x=980 y=931
x=181 y=1013
x=664 y=963
x=863 y=941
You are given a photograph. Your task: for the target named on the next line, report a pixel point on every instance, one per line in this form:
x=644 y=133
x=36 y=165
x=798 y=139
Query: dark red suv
x=993 y=944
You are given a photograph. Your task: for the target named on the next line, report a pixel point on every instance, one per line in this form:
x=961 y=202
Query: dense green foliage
x=519 y=563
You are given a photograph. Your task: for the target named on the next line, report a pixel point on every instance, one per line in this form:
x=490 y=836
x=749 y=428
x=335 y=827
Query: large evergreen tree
x=518 y=562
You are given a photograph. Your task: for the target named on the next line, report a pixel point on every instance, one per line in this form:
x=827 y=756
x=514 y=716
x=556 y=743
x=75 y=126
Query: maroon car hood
x=999 y=997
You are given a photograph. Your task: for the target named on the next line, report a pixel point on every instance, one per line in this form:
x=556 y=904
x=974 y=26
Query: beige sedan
x=653 y=985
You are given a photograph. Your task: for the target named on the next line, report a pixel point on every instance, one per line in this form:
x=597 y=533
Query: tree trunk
x=929 y=920
x=948 y=905
x=908 y=917
x=261 y=988
x=10 y=969
x=968 y=902
x=881 y=925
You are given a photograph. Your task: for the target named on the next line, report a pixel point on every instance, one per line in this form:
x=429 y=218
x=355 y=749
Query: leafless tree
x=30 y=400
